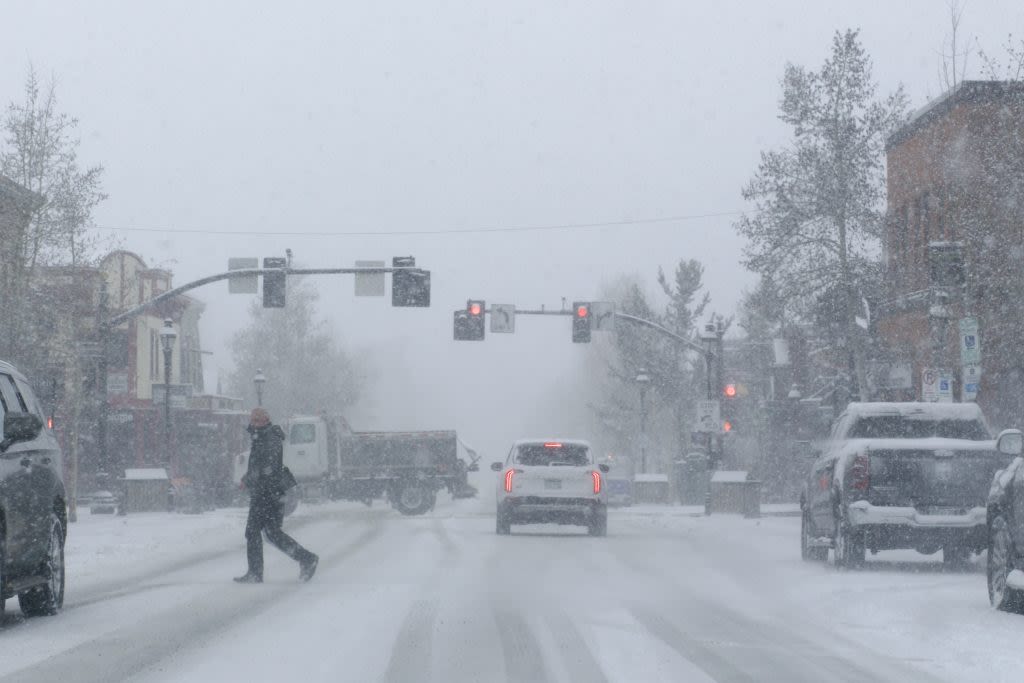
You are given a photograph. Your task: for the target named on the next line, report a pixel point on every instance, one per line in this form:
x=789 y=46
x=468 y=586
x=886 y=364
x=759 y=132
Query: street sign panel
x=970 y=344
x=369 y=284
x=602 y=315
x=936 y=385
x=709 y=417
x=243 y=284
x=971 y=382
x=503 y=318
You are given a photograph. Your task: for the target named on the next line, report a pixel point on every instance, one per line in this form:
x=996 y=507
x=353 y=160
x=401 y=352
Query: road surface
x=665 y=597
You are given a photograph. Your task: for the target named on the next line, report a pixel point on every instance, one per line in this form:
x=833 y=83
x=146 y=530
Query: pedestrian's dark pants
x=266 y=517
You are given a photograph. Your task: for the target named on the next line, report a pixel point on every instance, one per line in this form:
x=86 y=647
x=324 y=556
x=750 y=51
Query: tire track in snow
x=524 y=662
x=575 y=653
x=411 y=653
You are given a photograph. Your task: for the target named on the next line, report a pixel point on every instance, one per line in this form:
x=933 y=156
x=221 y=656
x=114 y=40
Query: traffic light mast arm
x=689 y=343
x=171 y=293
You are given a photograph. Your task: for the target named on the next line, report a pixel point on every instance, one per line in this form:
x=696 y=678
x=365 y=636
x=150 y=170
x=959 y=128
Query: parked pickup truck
x=900 y=475
x=329 y=460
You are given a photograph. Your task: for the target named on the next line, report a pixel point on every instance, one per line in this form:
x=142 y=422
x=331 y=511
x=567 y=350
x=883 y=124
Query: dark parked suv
x=33 y=510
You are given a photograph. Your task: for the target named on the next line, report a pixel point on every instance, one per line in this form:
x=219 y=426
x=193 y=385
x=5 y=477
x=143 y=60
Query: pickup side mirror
x=473 y=467
x=604 y=468
x=20 y=427
x=496 y=466
x=1010 y=442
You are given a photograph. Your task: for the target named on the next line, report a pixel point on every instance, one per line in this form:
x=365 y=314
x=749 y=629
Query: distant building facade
x=956 y=185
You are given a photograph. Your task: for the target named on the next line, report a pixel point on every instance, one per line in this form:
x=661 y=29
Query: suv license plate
x=552 y=484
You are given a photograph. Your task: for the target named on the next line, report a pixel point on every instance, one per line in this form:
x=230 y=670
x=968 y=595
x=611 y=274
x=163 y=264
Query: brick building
x=956 y=179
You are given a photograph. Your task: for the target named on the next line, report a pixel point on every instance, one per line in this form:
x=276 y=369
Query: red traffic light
x=582 y=311
x=475 y=308
x=730 y=391
x=726 y=426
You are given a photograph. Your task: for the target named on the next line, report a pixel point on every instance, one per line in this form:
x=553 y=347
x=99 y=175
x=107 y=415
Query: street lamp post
x=259 y=379
x=642 y=380
x=167 y=337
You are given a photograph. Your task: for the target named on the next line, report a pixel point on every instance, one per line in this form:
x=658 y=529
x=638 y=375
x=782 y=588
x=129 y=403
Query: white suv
x=551 y=481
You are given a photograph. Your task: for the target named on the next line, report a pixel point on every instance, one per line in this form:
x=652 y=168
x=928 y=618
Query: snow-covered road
x=665 y=597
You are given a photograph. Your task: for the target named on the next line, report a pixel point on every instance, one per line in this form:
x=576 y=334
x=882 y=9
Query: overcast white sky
x=333 y=117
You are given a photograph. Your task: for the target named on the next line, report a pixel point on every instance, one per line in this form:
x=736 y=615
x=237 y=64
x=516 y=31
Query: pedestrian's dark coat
x=264 y=482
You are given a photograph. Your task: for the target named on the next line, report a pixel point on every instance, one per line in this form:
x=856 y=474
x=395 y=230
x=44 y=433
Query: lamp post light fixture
x=643 y=380
x=259 y=379
x=167 y=338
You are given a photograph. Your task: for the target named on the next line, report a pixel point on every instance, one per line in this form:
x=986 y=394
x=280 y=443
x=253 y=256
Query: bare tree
x=1011 y=67
x=952 y=59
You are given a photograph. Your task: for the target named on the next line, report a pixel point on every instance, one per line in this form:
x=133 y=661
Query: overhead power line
x=442 y=231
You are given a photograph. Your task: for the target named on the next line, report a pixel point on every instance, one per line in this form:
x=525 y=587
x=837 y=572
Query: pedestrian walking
x=266 y=482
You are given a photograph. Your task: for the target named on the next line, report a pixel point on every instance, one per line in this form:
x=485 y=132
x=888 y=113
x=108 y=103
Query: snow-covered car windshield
x=902 y=427
x=552 y=454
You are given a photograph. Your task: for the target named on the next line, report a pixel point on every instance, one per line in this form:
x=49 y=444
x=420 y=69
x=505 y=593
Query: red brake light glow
x=860 y=472
x=597 y=481
x=552 y=444
x=508 y=480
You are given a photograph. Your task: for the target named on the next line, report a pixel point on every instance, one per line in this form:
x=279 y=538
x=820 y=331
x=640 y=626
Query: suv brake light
x=508 y=480
x=597 y=481
x=860 y=472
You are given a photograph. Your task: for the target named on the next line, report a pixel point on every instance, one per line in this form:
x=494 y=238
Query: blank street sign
x=503 y=318
x=369 y=284
x=243 y=284
x=602 y=313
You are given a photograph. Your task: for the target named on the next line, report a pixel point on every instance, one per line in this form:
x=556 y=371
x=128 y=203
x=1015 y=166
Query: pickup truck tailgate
x=932 y=480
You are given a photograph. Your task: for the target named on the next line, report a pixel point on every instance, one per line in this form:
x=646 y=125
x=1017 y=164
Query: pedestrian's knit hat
x=259 y=417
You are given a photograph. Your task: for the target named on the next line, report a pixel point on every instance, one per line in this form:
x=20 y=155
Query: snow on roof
x=962 y=411
x=650 y=477
x=145 y=473
x=729 y=476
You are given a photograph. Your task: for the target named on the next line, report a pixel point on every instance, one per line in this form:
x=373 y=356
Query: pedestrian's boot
x=249 y=577
x=307 y=567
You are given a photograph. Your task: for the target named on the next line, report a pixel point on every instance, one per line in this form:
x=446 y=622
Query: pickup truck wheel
x=47 y=599
x=848 y=543
x=413 y=498
x=1000 y=564
x=810 y=553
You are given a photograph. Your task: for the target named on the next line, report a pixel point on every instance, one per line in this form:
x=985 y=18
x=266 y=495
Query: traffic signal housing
x=730 y=407
x=581 y=322
x=275 y=284
x=469 y=323
x=409 y=287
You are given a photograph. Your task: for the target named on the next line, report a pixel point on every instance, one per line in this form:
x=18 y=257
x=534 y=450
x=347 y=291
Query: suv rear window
x=552 y=453
x=908 y=427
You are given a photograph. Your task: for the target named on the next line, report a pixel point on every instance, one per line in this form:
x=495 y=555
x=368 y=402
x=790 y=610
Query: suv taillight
x=508 y=480
x=597 y=481
x=860 y=472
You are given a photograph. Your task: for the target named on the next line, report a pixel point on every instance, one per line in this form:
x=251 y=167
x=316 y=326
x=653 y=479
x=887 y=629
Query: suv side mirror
x=1010 y=442
x=604 y=468
x=496 y=466
x=20 y=427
